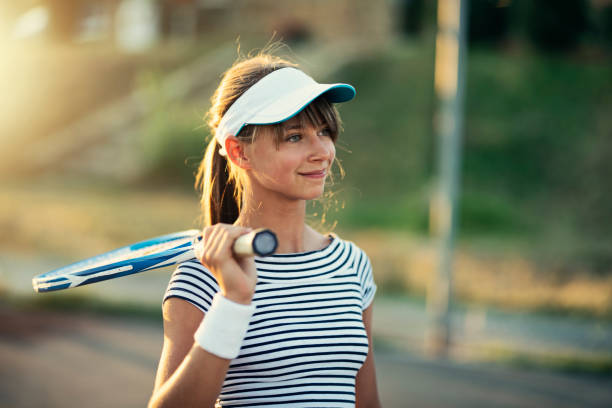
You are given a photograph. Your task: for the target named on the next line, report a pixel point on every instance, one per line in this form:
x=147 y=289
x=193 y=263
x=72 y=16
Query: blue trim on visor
x=339 y=93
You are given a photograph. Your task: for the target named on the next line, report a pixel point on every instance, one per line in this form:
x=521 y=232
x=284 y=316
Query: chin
x=309 y=195
x=315 y=195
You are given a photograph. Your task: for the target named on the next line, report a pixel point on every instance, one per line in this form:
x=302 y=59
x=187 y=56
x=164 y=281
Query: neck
x=283 y=216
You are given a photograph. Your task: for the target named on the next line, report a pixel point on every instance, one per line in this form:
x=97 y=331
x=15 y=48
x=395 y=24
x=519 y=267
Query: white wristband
x=224 y=327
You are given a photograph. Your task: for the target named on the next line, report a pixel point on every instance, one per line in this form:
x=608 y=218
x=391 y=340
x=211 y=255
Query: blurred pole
x=448 y=123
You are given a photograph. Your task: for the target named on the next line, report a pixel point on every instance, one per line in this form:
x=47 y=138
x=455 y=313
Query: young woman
x=292 y=329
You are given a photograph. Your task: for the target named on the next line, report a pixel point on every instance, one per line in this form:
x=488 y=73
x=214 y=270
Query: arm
x=365 y=386
x=187 y=375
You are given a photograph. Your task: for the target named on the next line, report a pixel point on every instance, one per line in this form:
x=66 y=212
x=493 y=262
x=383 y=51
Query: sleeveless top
x=306 y=340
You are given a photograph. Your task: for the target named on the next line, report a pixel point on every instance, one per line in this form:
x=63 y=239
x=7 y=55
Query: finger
x=217 y=243
x=234 y=231
x=227 y=239
x=211 y=247
x=199 y=247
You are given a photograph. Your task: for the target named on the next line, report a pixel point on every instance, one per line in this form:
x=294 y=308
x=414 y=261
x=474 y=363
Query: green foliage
x=486 y=214
x=537 y=136
x=488 y=22
x=605 y=23
x=172 y=140
x=408 y=212
x=522 y=116
x=535 y=142
x=556 y=25
x=387 y=126
x=411 y=16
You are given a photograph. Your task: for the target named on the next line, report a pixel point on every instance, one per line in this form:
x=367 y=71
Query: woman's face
x=298 y=168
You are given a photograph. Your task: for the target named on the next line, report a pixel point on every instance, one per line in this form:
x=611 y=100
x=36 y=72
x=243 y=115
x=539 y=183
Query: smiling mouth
x=314 y=174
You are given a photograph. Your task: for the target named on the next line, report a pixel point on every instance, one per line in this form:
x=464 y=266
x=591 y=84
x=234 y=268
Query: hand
x=236 y=276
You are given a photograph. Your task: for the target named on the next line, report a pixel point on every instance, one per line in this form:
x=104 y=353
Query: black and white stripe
x=306 y=340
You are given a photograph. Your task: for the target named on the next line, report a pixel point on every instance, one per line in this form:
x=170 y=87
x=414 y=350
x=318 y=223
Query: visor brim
x=293 y=103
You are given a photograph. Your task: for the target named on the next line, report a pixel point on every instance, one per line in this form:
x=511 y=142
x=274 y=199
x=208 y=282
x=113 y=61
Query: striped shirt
x=306 y=340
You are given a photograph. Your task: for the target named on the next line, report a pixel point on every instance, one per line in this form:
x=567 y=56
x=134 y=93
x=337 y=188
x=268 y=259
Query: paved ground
x=50 y=359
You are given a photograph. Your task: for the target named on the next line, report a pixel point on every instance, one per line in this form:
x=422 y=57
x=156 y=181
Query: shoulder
x=192 y=282
x=359 y=257
x=363 y=270
x=195 y=274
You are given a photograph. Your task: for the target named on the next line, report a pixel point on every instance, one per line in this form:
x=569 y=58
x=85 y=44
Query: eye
x=325 y=132
x=294 y=138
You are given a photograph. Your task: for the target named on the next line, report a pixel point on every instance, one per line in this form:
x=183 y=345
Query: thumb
x=198 y=247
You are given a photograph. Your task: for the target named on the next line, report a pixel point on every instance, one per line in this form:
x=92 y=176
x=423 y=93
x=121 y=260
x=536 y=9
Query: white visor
x=275 y=98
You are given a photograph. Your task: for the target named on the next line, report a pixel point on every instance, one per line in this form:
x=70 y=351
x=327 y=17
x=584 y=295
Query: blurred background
x=101 y=131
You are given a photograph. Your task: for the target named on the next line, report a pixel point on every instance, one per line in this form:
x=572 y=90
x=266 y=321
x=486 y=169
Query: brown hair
x=217 y=178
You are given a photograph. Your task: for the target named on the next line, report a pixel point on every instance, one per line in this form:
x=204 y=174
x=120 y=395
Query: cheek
x=330 y=146
x=279 y=169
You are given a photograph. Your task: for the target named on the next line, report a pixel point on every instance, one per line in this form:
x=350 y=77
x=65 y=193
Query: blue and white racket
x=154 y=253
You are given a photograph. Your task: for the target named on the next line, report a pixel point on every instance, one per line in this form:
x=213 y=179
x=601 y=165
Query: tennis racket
x=154 y=253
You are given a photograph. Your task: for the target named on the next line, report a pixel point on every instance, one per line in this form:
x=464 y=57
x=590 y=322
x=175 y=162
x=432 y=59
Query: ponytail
x=220 y=200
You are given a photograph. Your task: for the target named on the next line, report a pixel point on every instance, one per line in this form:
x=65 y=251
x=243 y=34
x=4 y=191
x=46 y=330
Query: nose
x=321 y=146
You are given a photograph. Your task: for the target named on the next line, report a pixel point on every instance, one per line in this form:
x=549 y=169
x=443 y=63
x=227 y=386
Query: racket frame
x=79 y=274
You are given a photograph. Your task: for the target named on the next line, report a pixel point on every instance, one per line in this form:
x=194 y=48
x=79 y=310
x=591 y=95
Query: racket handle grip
x=260 y=242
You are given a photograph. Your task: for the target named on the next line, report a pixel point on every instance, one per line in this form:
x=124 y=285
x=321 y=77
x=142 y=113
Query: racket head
x=164 y=250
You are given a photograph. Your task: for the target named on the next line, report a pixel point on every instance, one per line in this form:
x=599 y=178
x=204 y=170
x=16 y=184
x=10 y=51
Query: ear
x=235 y=152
